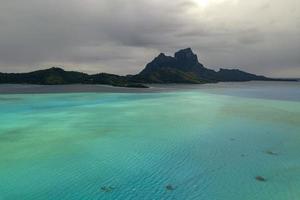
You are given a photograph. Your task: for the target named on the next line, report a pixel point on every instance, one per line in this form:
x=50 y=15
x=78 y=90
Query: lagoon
x=205 y=141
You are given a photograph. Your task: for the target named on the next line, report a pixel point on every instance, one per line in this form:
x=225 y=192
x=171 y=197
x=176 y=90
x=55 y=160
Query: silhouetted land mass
x=184 y=67
x=58 y=76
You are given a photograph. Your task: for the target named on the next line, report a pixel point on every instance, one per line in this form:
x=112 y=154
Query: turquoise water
x=206 y=145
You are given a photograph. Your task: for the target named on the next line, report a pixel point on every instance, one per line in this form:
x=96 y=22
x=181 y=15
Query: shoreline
x=70 y=88
x=153 y=88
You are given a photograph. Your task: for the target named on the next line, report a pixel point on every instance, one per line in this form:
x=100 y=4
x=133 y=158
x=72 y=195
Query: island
x=184 y=67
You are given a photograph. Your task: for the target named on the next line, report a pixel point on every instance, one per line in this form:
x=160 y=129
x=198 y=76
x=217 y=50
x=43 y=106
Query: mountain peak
x=186 y=56
x=184 y=67
x=161 y=56
x=186 y=50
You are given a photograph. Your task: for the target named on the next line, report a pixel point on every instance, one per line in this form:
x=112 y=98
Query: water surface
x=207 y=142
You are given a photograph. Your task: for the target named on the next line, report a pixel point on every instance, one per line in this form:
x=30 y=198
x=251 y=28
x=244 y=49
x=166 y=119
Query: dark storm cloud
x=121 y=36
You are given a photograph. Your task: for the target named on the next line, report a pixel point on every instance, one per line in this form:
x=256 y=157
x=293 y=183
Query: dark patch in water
x=260 y=178
x=10 y=99
x=107 y=188
x=271 y=153
x=12 y=136
x=170 y=187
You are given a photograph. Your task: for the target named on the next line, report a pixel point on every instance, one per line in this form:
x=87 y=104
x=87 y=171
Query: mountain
x=58 y=76
x=184 y=67
x=51 y=76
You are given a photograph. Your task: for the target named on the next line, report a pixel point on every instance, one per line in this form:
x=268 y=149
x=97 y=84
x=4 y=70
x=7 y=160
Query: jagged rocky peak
x=161 y=56
x=186 y=56
x=161 y=59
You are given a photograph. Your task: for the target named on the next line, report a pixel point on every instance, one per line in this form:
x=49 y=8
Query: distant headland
x=184 y=67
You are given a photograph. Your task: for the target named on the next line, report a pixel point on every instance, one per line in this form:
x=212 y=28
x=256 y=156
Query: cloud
x=121 y=36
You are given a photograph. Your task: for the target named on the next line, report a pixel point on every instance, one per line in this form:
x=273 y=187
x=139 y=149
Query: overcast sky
x=121 y=36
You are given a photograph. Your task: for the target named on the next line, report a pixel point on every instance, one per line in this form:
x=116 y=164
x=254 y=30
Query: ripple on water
x=179 y=145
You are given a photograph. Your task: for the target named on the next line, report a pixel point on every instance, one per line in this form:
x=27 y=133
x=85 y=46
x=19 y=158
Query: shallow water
x=207 y=143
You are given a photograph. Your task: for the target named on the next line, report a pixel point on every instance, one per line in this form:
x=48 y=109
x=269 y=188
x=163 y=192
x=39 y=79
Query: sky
x=122 y=36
